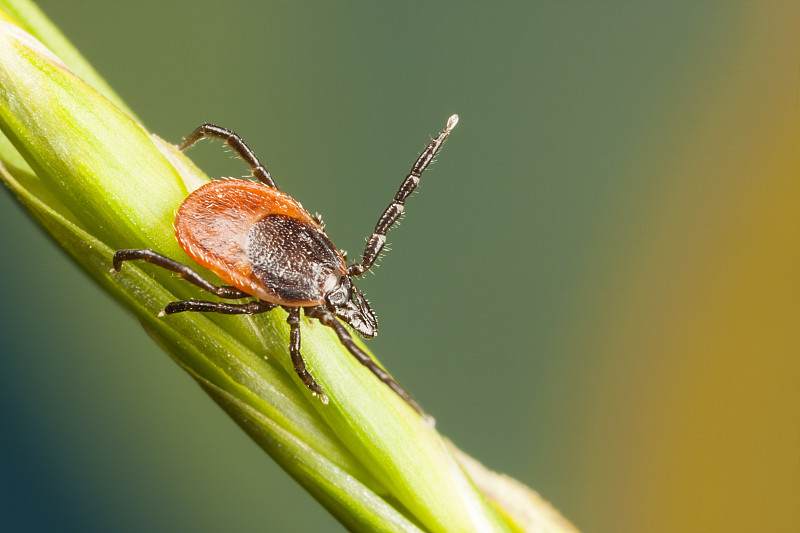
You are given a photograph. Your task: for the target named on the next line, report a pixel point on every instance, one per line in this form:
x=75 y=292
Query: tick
x=266 y=246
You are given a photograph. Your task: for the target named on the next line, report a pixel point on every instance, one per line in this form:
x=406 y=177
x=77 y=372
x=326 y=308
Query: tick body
x=266 y=246
x=260 y=241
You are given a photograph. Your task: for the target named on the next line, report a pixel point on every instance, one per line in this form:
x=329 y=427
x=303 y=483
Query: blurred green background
x=596 y=290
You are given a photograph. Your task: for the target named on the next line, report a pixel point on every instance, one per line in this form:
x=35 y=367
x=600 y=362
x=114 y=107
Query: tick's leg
x=326 y=318
x=297 y=359
x=377 y=240
x=225 y=291
x=200 y=306
x=235 y=142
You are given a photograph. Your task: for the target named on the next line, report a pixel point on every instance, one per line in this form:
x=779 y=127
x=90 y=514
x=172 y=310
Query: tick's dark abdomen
x=293 y=259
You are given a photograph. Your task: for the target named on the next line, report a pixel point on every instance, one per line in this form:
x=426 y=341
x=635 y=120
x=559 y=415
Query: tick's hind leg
x=224 y=291
x=201 y=306
x=297 y=360
x=328 y=319
x=235 y=142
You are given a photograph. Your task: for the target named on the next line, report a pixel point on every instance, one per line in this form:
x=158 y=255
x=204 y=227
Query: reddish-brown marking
x=213 y=222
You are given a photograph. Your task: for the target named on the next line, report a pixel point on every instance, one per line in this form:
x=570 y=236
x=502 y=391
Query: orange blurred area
x=697 y=394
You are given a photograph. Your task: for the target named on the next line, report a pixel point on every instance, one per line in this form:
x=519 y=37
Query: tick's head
x=338 y=291
x=347 y=303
